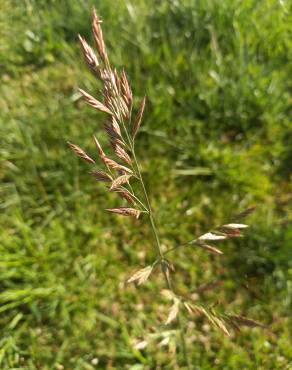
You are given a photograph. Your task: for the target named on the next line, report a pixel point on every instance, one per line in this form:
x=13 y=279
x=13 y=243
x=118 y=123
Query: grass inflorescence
x=122 y=128
x=215 y=138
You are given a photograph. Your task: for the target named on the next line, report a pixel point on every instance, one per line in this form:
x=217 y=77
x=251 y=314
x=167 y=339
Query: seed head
x=89 y=55
x=81 y=153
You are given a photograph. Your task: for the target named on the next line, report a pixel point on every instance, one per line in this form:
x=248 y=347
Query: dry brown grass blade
x=94 y=103
x=124 y=211
x=101 y=176
x=81 y=153
x=119 y=181
x=137 y=122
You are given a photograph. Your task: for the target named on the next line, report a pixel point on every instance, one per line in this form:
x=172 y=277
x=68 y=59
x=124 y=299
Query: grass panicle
x=122 y=130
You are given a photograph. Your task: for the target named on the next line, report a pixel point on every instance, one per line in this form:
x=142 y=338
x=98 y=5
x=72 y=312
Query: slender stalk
x=151 y=217
x=183 y=342
x=178 y=246
x=161 y=255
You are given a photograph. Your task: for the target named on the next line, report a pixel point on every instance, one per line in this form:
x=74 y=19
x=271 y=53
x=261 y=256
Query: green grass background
x=217 y=137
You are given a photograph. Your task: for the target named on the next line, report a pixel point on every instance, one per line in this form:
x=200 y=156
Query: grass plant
x=215 y=138
x=122 y=130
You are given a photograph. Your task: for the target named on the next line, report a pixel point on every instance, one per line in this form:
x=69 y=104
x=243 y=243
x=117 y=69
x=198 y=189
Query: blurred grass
x=217 y=134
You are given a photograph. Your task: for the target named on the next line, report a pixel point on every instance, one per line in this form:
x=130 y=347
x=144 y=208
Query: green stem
x=151 y=218
x=136 y=198
x=161 y=255
x=154 y=229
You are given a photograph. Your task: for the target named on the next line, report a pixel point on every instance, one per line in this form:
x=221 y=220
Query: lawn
x=216 y=139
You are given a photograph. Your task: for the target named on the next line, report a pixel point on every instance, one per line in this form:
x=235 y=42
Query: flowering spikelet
x=188 y=307
x=124 y=211
x=211 y=236
x=114 y=102
x=220 y=325
x=117 y=80
x=225 y=231
x=98 y=36
x=173 y=312
x=110 y=162
x=115 y=166
x=101 y=176
x=114 y=82
x=126 y=90
x=141 y=276
x=235 y=226
x=125 y=194
x=114 y=133
x=81 y=153
x=121 y=153
x=116 y=127
x=138 y=119
x=89 y=55
x=94 y=103
x=119 y=181
x=99 y=148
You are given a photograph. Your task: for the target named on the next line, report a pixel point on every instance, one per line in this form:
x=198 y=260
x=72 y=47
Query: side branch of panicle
x=81 y=153
x=94 y=103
